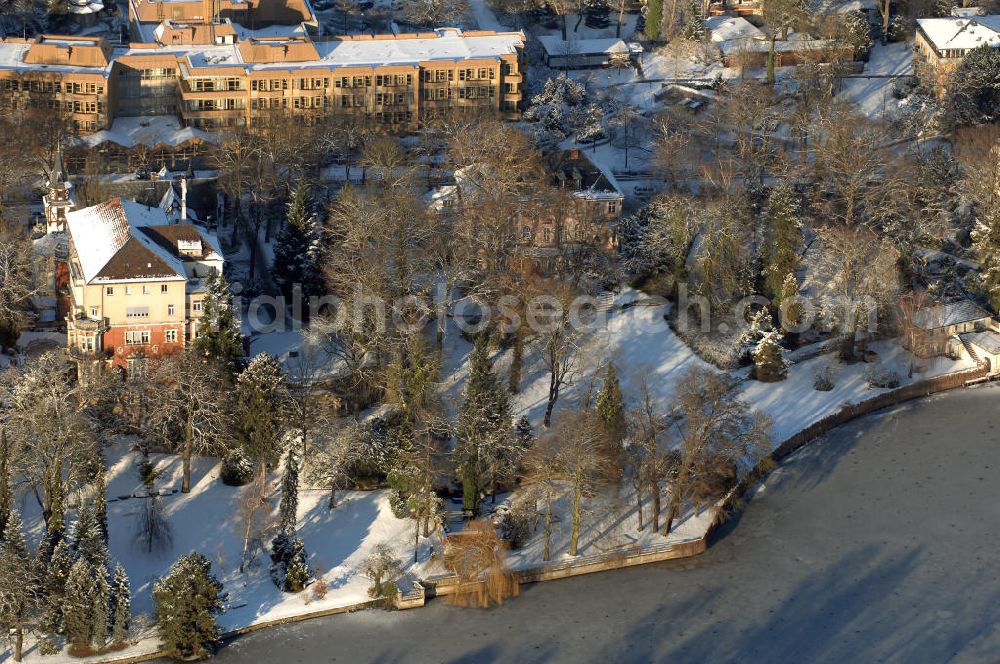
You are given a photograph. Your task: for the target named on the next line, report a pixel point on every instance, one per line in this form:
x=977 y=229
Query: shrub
x=823 y=381
x=880 y=376
x=237 y=469
x=516 y=522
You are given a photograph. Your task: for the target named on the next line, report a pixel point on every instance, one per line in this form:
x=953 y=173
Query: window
x=145 y=290
x=128 y=290
x=136 y=312
x=171 y=310
x=109 y=291
x=196 y=306
x=170 y=336
x=136 y=337
x=163 y=288
x=93 y=312
x=87 y=344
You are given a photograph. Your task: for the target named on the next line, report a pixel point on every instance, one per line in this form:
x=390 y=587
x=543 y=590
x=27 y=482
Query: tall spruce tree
x=100 y=608
x=296 y=252
x=87 y=540
x=53 y=583
x=101 y=504
x=782 y=239
x=18 y=584
x=483 y=433
x=769 y=364
x=694 y=22
x=261 y=400
x=654 y=20
x=121 y=606
x=610 y=404
x=219 y=335
x=187 y=600
x=78 y=605
x=289 y=503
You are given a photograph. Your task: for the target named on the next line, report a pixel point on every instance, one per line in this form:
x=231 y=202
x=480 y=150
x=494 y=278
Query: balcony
x=84 y=324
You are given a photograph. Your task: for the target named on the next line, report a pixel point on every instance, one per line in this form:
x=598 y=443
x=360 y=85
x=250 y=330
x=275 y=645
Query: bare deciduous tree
x=720 y=438
x=191 y=401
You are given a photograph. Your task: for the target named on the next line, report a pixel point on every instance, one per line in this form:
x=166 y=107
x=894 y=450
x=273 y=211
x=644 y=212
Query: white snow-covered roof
x=962 y=33
x=823 y=7
x=86 y=8
x=121 y=240
x=949 y=313
x=150 y=130
x=449 y=44
x=555 y=45
x=728 y=28
x=987 y=340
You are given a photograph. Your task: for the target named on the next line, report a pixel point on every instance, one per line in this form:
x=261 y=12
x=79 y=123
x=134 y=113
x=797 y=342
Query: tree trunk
x=516 y=362
x=548 y=527
x=18 y=642
x=333 y=498
x=416 y=539
x=885 y=22
x=638 y=501
x=655 y=488
x=553 y=395
x=564 y=27
x=675 y=508
x=186 y=465
x=574 y=538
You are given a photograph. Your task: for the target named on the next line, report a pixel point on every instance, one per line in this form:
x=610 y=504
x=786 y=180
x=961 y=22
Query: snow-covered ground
x=793 y=404
x=207 y=520
x=871 y=91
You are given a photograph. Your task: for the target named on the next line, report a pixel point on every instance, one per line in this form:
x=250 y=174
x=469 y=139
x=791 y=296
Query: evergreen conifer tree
x=187 y=601
x=694 y=22
x=654 y=20
x=101 y=505
x=523 y=433
x=610 y=404
x=78 y=605
x=296 y=252
x=289 y=503
x=261 y=397
x=54 y=582
x=782 y=239
x=18 y=586
x=121 y=606
x=219 y=335
x=87 y=540
x=100 y=608
x=768 y=362
x=483 y=431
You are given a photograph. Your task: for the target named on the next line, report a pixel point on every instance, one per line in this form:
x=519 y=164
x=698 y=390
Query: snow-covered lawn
x=207 y=520
x=610 y=523
x=793 y=404
x=873 y=96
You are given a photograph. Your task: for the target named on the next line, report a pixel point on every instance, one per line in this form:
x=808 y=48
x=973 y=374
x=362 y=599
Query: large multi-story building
x=136 y=281
x=942 y=43
x=216 y=74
